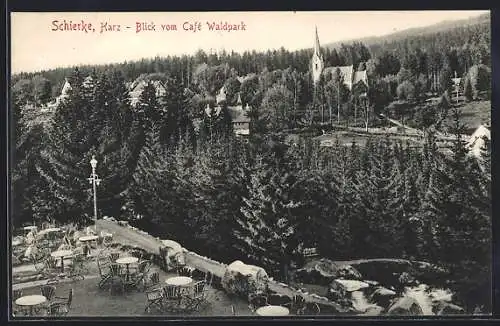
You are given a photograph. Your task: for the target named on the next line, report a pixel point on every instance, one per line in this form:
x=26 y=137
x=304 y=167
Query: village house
x=478 y=139
x=137 y=87
x=239 y=115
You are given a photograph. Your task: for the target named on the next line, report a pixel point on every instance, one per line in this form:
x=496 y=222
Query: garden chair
x=140 y=275
x=256 y=301
x=107 y=238
x=78 y=267
x=172 y=297
x=47 y=267
x=198 y=297
x=16 y=294
x=104 y=274
x=116 y=280
x=279 y=300
x=297 y=304
x=48 y=291
x=198 y=275
x=113 y=256
x=185 y=271
x=154 y=298
x=310 y=309
x=60 y=306
x=153 y=281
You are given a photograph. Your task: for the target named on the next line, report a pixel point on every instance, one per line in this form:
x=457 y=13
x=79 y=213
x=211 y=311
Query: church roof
x=359 y=76
x=350 y=76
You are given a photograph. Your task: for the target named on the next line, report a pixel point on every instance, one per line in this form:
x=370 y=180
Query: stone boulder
x=324 y=271
x=447 y=308
x=405 y=306
x=382 y=297
x=336 y=291
x=242 y=279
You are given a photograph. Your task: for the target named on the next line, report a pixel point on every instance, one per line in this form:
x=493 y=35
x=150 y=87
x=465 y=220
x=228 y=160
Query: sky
x=38 y=43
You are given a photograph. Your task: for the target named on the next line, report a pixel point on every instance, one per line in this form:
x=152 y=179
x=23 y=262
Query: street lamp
x=95 y=181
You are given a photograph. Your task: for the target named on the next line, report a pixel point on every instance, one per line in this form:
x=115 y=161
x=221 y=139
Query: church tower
x=317 y=64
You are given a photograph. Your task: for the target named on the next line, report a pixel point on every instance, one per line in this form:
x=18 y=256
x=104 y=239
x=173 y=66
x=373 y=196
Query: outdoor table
x=182 y=281
x=179 y=280
x=273 y=311
x=17 y=242
x=31 y=301
x=30 y=228
x=51 y=230
x=88 y=238
x=61 y=254
x=127 y=261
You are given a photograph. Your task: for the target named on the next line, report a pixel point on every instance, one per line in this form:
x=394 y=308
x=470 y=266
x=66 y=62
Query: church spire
x=317 y=48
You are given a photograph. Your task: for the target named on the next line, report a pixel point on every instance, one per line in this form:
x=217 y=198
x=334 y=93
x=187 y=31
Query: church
x=352 y=78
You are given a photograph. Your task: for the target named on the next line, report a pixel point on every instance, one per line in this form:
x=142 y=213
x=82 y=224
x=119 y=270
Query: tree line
x=258 y=200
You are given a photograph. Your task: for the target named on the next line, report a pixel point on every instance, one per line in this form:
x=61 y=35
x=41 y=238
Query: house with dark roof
x=137 y=87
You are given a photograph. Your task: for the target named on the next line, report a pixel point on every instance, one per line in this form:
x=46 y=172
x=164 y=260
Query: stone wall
x=150 y=245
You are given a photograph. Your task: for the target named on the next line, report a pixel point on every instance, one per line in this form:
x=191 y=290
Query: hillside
x=440 y=27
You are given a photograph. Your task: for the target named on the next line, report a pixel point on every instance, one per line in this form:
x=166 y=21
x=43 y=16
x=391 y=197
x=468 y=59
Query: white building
x=477 y=140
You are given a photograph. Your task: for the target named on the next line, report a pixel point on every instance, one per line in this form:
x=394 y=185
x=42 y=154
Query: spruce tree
x=84 y=125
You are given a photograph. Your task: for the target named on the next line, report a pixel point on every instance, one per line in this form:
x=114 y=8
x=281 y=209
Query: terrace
x=88 y=274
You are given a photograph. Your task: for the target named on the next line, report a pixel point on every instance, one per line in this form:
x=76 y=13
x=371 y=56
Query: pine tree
x=84 y=125
x=464 y=229
x=267 y=230
x=468 y=93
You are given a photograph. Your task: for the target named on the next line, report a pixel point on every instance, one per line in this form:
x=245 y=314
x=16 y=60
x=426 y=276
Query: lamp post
x=95 y=181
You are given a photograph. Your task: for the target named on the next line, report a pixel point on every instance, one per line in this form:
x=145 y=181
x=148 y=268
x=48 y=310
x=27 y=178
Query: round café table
x=272 y=311
x=88 y=238
x=30 y=301
x=184 y=282
x=29 y=228
x=127 y=261
x=17 y=242
x=61 y=254
x=179 y=280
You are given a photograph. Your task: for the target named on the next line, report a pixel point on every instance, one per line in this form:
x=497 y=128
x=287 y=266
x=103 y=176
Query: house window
x=316 y=65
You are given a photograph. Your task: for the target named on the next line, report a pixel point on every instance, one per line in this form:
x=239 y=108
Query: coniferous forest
x=261 y=199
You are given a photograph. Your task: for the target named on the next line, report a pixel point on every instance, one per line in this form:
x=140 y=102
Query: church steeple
x=317 y=47
x=317 y=64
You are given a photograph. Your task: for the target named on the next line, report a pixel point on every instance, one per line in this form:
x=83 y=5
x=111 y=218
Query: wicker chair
x=104 y=273
x=16 y=294
x=152 y=281
x=297 y=305
x=113 y=256
x=198 y=297
x=140 y=275
x=279 y=300
x=116 y=280
x=78 y=268
x=154 y=298
x=48 y=291
x=172 y=297
x=185 y=271
x=60 y=306
x=310 y=309
x=256 y=301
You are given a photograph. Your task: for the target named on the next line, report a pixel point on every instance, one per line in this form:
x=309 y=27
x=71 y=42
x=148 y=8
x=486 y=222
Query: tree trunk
x=367 y=116
x=355 y=112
